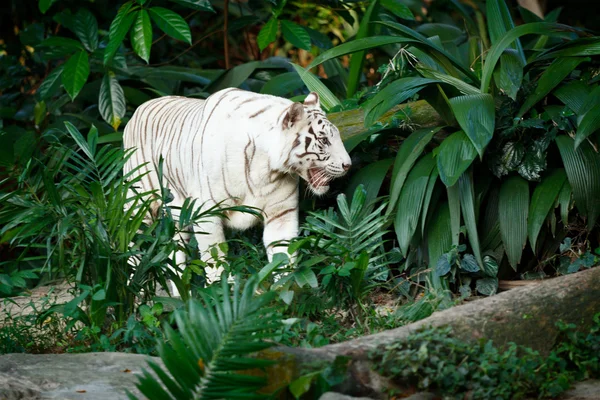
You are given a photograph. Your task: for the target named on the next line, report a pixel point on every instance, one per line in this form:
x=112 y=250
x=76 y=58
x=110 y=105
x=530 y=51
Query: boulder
x=89 y=376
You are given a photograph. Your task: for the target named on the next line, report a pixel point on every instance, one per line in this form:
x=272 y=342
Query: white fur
x=236 y=146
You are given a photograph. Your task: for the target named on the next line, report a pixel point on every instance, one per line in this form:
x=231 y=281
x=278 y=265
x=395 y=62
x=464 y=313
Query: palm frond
x=207 y=357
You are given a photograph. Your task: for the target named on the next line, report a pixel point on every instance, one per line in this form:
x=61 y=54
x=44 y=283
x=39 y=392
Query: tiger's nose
x=346 y=166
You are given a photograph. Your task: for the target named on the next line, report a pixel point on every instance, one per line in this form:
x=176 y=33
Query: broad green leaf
x=454 y=206
x=118 y=29
x=268 y=33
x=306 y=276
x=439 y=236
x=490 y=266
x=171 y=23
x=542 y=202
x=431 y=184
x=489 y=225
x=235 y=77
x=476 y=116
x=141 y=35
x=357 y=59
x=408 y=153
x=493 y=55
x=510 y=75
x=327 y=98
x=371 y=177
x=111 y=101
x=467 y=205
x=573 y=95
x=400 y=10
x=86 y=29
x=459 y=84
x=513 y=207
x=581 y=47
x=303 y=384
x=469 y=264
x=200 y=5
x=411 y=201
x=583 y=171
x=393 y=94
x=75 y=73
x=588 y=125
x=283 y=84
x=564 y=201
x=434 y=50
x=44 y=5
x=455 y=155
x=552 y=76
x=499 y=22
x=487 y=286
x=356 y=46
x=51 y=83
x=295 y=34
x=39 y=112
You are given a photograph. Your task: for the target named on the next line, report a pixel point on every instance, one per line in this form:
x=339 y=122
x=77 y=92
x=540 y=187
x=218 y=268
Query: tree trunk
x=352 y=123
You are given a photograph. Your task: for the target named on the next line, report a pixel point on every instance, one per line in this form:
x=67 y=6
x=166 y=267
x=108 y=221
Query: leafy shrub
x=433 y=360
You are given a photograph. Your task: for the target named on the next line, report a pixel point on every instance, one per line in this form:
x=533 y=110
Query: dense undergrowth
x=499 y=179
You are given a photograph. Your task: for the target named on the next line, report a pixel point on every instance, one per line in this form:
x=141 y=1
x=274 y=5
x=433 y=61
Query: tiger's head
x=317 y=154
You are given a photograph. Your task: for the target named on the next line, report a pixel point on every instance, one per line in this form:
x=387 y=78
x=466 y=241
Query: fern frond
x=205 y=359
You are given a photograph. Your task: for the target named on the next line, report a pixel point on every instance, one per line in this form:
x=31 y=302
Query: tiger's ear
x=312 y=100
x=293 y=116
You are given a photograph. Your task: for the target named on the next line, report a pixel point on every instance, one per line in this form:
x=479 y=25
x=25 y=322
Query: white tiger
x=239 y=147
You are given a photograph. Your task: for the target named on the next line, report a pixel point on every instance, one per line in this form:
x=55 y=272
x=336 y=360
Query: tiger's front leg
x=280 y=225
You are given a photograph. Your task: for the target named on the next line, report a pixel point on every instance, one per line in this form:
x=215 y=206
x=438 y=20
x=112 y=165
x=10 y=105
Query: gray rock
x=586 y=390
x=90 y=376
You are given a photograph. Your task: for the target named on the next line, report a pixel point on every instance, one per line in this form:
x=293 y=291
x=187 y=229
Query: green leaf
x=552 y=76
x=573 y=95
x=408 y=153
x=302 y=385
x=306 y=276
x=589 y=124
x=487 y=286
x=75 y=73
x=118 y=29
x=171 y=23
x=200 y=5
x=454 y=206
x=51 y=84
x=564 y=200
x=111 y=101
x=279 y=259
x=141 y=35
x=476 y=116
x=283 y=84
x=499 y=23
x=295 y=34
x=538 y=28
x=39 y=112
x=431 y=185
x=467 y=204
x=268 y=33
x=357 y=60
x=542 y=202
x=86 y=29
x=455 y=155
x=411 y=201
x=439 y=237
x=513 y=207
x=44 y=5
x=469 y=264
x=398 y=9
x=371 y=177
x=583 y=171
x=327 y=98
x=490 y=266
x=510 y=76
x=442 y=266
x=393 y=94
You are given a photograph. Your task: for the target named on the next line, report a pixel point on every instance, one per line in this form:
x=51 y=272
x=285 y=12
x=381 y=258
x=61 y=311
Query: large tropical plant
x=519 y=140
